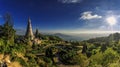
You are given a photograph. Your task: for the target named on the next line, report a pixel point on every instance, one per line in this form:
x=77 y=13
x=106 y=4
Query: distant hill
x=79 y=37
x=68 y=37
x=111 y=37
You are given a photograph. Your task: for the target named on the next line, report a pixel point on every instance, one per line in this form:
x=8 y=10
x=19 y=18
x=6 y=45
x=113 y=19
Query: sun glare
x=111 y=20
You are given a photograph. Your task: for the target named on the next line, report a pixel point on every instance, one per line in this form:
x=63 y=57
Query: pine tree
x=84 y=50
x=8 y=31
x=36 y=33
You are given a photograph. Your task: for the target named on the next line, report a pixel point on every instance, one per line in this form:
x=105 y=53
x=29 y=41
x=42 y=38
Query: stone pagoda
x=29 y=33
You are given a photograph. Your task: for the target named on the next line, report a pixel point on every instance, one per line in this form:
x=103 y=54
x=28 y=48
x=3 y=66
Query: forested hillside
x=16 y=51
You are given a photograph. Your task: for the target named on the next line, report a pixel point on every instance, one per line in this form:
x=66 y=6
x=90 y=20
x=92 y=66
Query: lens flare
x=111 y=20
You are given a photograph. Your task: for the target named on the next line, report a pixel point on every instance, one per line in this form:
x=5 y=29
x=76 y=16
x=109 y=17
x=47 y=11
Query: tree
x=36 y=33
x=49 y=53
x=7 y=30
x=67 y=55
x=84 y=50
x=109 y=56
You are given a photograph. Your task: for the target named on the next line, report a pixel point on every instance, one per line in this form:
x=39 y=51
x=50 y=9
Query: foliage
x=95 y=52
x=104 y=59
x=7 y=31
x=67 y=55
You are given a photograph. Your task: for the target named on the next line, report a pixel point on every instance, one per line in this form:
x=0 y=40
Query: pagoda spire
x=29 y=32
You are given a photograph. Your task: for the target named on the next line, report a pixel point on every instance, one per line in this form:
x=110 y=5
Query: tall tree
x=8 y=19
x=36 y=33
x=84 y=50
x=8 y=31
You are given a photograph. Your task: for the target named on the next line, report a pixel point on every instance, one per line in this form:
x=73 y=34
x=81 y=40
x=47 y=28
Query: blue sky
x=71 y=16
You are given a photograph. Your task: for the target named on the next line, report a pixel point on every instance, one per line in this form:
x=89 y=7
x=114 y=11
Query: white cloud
x=88 y=16
x=70 y=1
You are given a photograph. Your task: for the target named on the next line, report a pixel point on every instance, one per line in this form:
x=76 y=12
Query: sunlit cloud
x=88 y=15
